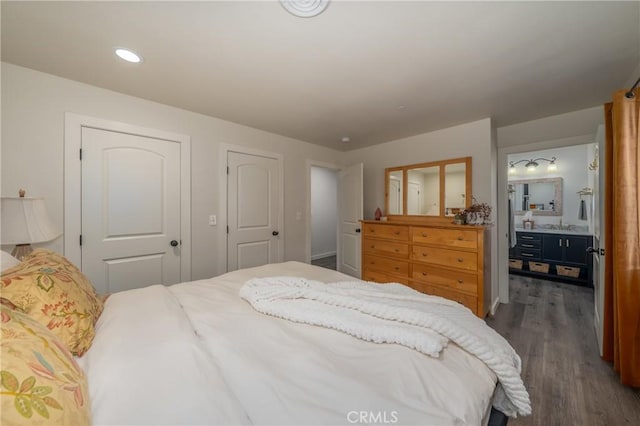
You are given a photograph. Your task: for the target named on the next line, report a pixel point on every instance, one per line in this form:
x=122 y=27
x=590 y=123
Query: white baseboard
x=321 y=255
x=494 y=306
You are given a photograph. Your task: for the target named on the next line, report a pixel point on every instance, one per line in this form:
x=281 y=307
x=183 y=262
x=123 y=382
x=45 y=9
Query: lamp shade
x=25 y=221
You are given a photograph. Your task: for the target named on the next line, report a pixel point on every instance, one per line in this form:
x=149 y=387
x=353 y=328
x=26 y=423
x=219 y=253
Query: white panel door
x=414 y=203
x=253 y=192
x=130 y=210
x=350 y=214
x=599 y=237
x=395 y=197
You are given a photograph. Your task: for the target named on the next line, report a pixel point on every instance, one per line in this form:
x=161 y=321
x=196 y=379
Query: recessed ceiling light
x=401 y=107
x=305 y=8
x=128 y=55
x=346 y=139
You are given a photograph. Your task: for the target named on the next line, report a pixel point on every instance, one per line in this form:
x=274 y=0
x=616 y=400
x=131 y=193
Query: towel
x=393 y=313
x=512 y=226
x=582 y=213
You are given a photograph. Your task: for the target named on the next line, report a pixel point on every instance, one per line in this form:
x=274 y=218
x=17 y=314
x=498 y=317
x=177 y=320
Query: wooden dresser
x=442 y=260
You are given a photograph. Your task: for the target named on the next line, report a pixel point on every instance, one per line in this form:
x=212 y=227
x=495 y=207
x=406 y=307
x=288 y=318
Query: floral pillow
x=55 y=293
x=40 y=382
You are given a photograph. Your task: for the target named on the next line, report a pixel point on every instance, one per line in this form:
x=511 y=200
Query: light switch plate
x=212 y=220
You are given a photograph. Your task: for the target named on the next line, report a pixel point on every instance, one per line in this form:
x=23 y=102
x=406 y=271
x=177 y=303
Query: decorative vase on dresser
x=444 y=260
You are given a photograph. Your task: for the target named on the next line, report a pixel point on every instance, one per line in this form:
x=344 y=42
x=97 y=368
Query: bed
x=197 y=353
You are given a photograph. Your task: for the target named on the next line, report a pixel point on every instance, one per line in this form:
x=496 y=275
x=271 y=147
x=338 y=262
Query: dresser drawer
x=445 y=257
x=470 y=302
x=455 y=280
x=386 y=248
x=379 y=277
x=391 y=232
x=386 y=265
x=458 y=238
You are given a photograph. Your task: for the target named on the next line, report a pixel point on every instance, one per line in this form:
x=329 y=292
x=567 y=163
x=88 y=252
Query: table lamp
x=25 y=221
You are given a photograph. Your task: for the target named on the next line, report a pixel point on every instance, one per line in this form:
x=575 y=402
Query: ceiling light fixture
x=305 y=8
x=532 y=165
x=128 y=55
x=346 y=139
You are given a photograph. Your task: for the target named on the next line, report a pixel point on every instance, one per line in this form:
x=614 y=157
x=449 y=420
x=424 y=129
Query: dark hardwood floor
x=550 y=325
x=328 y=262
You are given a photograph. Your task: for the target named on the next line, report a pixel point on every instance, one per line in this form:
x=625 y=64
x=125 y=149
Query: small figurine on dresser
x=378 y=213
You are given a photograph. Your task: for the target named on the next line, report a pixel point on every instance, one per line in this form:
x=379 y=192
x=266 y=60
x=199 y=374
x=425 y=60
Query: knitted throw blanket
x=394 y=313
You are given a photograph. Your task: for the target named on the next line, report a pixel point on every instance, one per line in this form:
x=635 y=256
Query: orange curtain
x=622 y=288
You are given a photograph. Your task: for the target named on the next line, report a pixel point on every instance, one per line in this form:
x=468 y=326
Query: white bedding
x=195 y=353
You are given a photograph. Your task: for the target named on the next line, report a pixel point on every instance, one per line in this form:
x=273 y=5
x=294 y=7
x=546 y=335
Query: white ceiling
x=346 y=72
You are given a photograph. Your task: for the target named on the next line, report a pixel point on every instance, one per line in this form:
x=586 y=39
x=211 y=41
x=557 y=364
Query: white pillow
x=7 y=261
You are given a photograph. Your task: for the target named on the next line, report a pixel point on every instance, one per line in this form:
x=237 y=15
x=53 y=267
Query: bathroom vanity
x=553 y=254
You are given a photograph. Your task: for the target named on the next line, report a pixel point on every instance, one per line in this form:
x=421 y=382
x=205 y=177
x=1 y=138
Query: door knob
x=358 y=230
x=592 y=250
x=274 y=233
x=173 y=243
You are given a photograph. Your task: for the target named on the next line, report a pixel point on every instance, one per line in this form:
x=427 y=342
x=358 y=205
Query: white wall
x=33 y=107
x=471 y=139
x=324 y=212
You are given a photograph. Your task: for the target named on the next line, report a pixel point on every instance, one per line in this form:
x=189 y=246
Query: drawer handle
x=526 y=237
x=396 y=250
x=424 y=254
x=460 y=238
x=424 y=235
x=373 y=246
x=397 y=268
x=526 y=245
x=460 y=281
x=460 y=260
x=526 y=254
x=424 y=274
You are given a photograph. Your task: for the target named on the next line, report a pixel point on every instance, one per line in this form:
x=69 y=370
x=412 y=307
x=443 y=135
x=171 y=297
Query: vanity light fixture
x=532 y=164
x=128 y=55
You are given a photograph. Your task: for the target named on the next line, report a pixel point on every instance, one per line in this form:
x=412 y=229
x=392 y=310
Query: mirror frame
x=441 y=164
x=557 y=182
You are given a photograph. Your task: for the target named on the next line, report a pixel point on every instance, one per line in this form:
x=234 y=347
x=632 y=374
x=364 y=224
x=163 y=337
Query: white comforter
x=394 y=313
x=195 y=353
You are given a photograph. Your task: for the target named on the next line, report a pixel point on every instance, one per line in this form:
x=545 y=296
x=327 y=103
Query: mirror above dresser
x=435 y=190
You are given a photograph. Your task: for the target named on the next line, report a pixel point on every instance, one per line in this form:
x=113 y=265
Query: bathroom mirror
x=543 y=197
x=431 y=190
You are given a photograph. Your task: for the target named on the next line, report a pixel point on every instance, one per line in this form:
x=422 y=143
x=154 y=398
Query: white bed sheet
x=237 y=366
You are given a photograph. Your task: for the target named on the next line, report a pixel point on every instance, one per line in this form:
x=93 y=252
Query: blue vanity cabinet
x=571 y=249
x=559 y=257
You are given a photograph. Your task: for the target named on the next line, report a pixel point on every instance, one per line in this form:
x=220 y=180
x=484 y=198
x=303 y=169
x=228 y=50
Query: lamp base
x=21 y=250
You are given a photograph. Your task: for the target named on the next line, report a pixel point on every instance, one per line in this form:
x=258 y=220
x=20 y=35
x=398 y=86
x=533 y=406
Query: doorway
x=574 y=159
x=324 y=216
